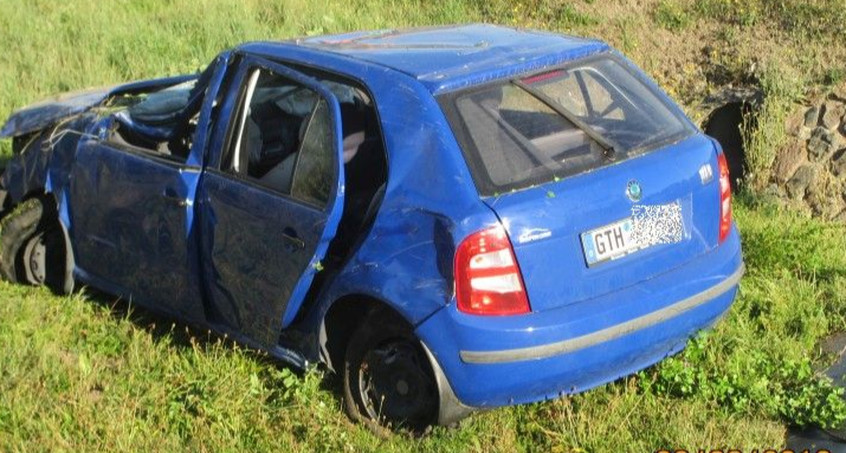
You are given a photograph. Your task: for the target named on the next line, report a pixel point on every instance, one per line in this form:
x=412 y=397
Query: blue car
x=452 y=219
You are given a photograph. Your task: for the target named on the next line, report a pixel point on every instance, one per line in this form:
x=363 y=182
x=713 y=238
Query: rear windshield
x=582 y=116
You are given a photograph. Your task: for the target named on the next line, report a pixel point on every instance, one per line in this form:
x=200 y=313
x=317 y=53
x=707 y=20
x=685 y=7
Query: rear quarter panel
x=430 y=205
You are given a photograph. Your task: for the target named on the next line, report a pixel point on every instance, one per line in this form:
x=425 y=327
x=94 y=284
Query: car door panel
x=261 y=248
x=257 y=244
x=129 y=216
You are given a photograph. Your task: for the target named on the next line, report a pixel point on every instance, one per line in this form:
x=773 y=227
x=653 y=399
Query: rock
x=812 y=116
x=811 y=168
x=774 y=192
x=822 y=195
x=832 y=113
x=834 y=344
x=788 y=160
x=817 y=206
x=795 y=125
x=838 y=163
x=820 y=144
x=797 y=186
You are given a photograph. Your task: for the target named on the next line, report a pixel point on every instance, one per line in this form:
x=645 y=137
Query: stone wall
x=810 y=171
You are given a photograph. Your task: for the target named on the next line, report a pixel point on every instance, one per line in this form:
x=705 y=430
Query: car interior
x=277 y=124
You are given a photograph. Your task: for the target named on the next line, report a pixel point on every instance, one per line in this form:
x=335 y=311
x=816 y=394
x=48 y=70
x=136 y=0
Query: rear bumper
x=607 y=334
x=489 y=362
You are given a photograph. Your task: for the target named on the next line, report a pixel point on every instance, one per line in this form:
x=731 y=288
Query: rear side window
x=313 y=173
x=272 y=118
x=283 y=138
x=535 y=129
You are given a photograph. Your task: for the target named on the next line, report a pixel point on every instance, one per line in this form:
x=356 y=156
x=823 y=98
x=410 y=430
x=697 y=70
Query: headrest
x=351 y=144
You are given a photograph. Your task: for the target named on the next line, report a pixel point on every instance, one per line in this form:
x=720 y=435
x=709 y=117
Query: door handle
x=172 y=197
x=292 y=241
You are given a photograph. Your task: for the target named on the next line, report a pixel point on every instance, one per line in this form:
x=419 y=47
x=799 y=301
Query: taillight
x=725 y=197
x=487 y=278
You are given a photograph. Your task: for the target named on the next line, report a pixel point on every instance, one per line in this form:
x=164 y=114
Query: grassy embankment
x=80 y=373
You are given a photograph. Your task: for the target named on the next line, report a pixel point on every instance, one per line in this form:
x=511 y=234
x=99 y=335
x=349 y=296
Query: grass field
x=86 y=373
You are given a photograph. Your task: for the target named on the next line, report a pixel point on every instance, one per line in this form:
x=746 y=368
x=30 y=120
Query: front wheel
x=388 y=381
x=32 y=246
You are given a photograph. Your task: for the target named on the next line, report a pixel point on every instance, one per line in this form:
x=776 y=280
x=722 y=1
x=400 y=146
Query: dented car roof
x=449 y=58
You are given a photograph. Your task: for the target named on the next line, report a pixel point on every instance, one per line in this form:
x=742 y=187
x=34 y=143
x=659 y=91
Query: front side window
x=538 y=128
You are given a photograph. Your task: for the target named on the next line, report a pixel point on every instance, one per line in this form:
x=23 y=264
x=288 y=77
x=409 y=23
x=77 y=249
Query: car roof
x=449 y=58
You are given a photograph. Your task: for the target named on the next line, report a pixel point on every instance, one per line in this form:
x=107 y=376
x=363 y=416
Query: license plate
x=650 y=225
x=609 y=242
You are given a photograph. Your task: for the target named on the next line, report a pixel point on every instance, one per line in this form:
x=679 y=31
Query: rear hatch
x=597 y=177
x=549 y=225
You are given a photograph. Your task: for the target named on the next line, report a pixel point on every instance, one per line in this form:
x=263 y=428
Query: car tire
x=388 y=381
x=32 y=246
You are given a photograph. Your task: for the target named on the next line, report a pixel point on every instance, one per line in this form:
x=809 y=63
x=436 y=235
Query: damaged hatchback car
x=452 y=218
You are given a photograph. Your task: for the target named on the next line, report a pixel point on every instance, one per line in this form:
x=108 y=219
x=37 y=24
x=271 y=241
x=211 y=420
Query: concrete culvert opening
x=732 y=117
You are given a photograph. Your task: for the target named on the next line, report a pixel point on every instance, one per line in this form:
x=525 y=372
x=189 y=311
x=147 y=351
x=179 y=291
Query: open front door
x=271 y=200
x=131 y=211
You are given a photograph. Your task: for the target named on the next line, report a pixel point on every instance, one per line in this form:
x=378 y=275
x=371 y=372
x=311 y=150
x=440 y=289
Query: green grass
x=800 y=17
x=81 y=373
x=671 y=16
x=100 y=377
x=760 y=360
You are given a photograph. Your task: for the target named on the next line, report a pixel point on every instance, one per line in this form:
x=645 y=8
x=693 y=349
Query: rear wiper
x=611 y=147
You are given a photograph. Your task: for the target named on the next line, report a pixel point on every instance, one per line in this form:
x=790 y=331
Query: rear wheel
x=388 y=381
x=32 y=246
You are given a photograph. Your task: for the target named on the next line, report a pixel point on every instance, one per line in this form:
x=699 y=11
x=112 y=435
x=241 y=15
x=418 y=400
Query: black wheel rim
x=396 y=385
x=35 y=259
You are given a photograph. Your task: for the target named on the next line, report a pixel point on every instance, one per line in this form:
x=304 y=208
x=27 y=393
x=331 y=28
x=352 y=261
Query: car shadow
x=158 y=325
x=184 y=335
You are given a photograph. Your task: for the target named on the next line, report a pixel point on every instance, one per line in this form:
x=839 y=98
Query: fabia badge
x=633 y=191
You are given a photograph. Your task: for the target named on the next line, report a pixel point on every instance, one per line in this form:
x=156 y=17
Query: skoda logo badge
x=633 y=191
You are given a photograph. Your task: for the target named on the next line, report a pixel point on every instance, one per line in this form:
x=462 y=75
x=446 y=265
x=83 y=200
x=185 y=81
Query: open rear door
x=272 y=198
